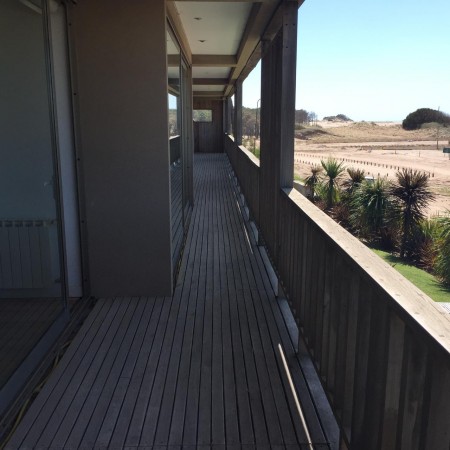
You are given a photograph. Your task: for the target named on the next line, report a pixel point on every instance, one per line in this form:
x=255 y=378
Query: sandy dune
x=381 y=157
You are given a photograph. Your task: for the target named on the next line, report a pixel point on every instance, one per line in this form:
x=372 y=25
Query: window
x=202 y=115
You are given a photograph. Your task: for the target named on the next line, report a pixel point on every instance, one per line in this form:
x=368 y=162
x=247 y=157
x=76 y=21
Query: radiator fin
x=25 y=254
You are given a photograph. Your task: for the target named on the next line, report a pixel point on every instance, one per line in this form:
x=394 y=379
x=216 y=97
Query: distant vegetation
x=416 y=119
x=338 y=118
x=251 y=120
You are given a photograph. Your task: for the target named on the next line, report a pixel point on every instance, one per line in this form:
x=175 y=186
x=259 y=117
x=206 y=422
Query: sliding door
x=31 y=267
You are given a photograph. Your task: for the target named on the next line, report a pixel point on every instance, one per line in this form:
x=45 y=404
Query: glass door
x=186 y=143
x=176 y=133
x=31 y=275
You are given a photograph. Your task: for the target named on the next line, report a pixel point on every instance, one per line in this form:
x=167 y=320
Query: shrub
x=356 y=177
x=413 y=195
x=312 y=180
x=416 y=119
x=333 y=171
x=427 y=235
x=372 y=213
x=442 y=264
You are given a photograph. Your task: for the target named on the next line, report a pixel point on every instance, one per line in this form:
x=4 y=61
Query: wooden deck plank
x=90 y=376
x=146 y=381
x=279 y=325
x=210 y=346
x=237 y=430
x=237 y=294
x=189 y=273
x=22 y=324
x=182 y=346
x=270 y=337
x=193 y=398
x=108 y=378
x=248 y=288
x=116 y=406
x=40 y=411
x=137 y=374
x=200 y=370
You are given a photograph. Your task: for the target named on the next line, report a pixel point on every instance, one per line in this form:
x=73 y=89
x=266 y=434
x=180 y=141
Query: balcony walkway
x=201 y=369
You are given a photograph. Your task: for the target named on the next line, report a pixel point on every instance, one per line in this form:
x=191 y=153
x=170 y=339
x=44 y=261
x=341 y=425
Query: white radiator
x=25 y=254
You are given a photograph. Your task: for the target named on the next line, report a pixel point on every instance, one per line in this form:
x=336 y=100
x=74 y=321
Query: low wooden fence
x=246 y=167
x=380 y=346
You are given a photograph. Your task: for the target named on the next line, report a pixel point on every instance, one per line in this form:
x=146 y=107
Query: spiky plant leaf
x=413 y=195
x=333 y=171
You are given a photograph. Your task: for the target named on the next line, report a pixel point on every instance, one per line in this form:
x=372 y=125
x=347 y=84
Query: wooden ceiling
x=222 y=39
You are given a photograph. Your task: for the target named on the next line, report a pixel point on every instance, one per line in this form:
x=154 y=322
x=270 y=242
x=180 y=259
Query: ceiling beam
x=178 y=30
x=214 y=60
x=259 y=18
x=264 y=25
x=210 y=81
x=232 y=1
x=215 y=94
x=249 y=40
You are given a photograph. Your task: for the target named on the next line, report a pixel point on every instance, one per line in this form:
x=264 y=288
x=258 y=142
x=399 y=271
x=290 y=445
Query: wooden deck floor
x=199 y=370
x=22 y=323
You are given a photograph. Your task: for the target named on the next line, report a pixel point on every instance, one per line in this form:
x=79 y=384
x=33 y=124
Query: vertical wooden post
x=229 y=116
x=238 y=114
x=278 y=72
x=225 y=116
x=287 y=94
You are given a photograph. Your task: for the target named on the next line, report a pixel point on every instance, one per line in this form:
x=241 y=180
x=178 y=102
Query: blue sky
x=371 y=60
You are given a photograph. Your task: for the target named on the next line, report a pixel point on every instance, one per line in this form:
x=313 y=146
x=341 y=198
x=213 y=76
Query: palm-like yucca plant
x=428 y=234
x=413 y=195
x=442 y=262
x=333 y=171
x=370 y=208
x=312 y=180
x=356 y=177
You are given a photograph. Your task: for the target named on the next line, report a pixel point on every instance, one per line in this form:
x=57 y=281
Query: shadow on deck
x=202 y=369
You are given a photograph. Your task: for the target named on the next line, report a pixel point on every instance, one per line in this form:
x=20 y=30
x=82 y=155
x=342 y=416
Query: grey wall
x=121 y=84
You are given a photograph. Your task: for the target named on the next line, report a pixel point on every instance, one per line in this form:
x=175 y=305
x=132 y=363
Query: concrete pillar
x=119 y=57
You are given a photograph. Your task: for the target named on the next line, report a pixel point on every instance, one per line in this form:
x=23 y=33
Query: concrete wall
x=121 y=88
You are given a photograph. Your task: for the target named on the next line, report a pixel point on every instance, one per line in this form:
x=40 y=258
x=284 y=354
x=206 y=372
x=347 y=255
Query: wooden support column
x=226 y=126
x=287 y=94
x=238 y=114
x=278 y=72
x=229 y=116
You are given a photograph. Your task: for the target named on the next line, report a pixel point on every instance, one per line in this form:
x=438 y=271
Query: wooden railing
x=380 y=346
x=246 y=167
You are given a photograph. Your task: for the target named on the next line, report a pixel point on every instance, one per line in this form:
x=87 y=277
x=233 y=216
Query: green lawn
x=423 y=280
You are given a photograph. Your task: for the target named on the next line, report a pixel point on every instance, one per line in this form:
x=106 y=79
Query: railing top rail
x=416 y=305
x=250 y=155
